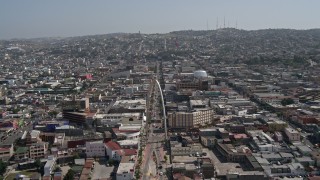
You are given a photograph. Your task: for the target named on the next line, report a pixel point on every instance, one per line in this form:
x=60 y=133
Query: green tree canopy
x=3 y=167
x=69 y=175
x=38 y=164
x=287 y=101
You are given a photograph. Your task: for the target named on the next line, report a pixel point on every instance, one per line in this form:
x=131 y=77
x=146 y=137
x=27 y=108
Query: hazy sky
x=43 y=18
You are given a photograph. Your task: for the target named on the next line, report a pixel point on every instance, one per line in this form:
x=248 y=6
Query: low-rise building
x=87 y=169
x=6 y=151
x=229 y=152
x=304 y=150
x=208 y=141
x=292 y=134
x=21 y=153
x=316 y=157
x=49 y=166
x=183 y=151
x=113 y=150
x=125 y=171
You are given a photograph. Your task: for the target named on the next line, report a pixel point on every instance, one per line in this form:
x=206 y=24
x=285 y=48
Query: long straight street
x=152 y=166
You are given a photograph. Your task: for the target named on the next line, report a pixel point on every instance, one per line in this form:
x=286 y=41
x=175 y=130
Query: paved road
x=154 y=140
x=11 y=137
x=149 y=166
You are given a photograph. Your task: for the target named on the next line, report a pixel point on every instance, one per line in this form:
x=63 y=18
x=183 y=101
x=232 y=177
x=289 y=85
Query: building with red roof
x=112 y=149
x=130 y=152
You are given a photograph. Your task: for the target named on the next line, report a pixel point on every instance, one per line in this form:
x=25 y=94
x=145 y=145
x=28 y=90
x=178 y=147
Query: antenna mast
x=217 y=25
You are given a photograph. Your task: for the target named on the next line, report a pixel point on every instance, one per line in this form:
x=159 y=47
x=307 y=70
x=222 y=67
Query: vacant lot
x=101 y=171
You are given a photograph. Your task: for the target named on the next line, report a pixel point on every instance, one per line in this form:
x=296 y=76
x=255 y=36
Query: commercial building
x=292 y=134
x=262 y=141
x=76 y=104
x=75 y=110
x=38 y=150
x=189 y=119
x=125 y=171
x=128 y=106
x=229 y=152
x=184 y=151
x=193 y=84
x=6 y=151
x=117 y=118
x=74 y=116
x=113 y=150
x=208 y=141
x=49 y=166
x=21 y=153
x=95 y=149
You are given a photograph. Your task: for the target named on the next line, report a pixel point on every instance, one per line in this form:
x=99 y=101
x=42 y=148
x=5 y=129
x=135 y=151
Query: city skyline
x=34 y=19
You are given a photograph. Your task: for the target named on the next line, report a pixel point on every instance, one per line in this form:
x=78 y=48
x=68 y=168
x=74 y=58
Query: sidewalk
x=144 y=153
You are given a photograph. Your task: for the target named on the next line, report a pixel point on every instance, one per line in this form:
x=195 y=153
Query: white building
x=263 y=141
x=133 y=136
x=116 y=118
x=241 y=112
x=95 y=149
x=129 y=144
x=125 y=171
x=113 y=150
x=49 y=166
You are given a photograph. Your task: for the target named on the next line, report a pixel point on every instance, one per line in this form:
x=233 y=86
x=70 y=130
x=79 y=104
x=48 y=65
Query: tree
x=137 y=174
x=165 y=158
x=37 y=163
x=287 y=101
x=15 y=111
x=53 y=113
x=57 y=169
x=76 y=156
x=3 y=167
x=111 y=162
x=279 y=114
x=69 y=175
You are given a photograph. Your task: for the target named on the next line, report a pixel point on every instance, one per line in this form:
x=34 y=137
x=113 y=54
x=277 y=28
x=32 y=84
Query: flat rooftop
x=125 y=168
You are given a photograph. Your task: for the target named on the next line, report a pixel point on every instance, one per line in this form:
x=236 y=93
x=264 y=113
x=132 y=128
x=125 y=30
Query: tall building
x=38 y=150
x=75 y=110
x=189 y=119
x=76 y=104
